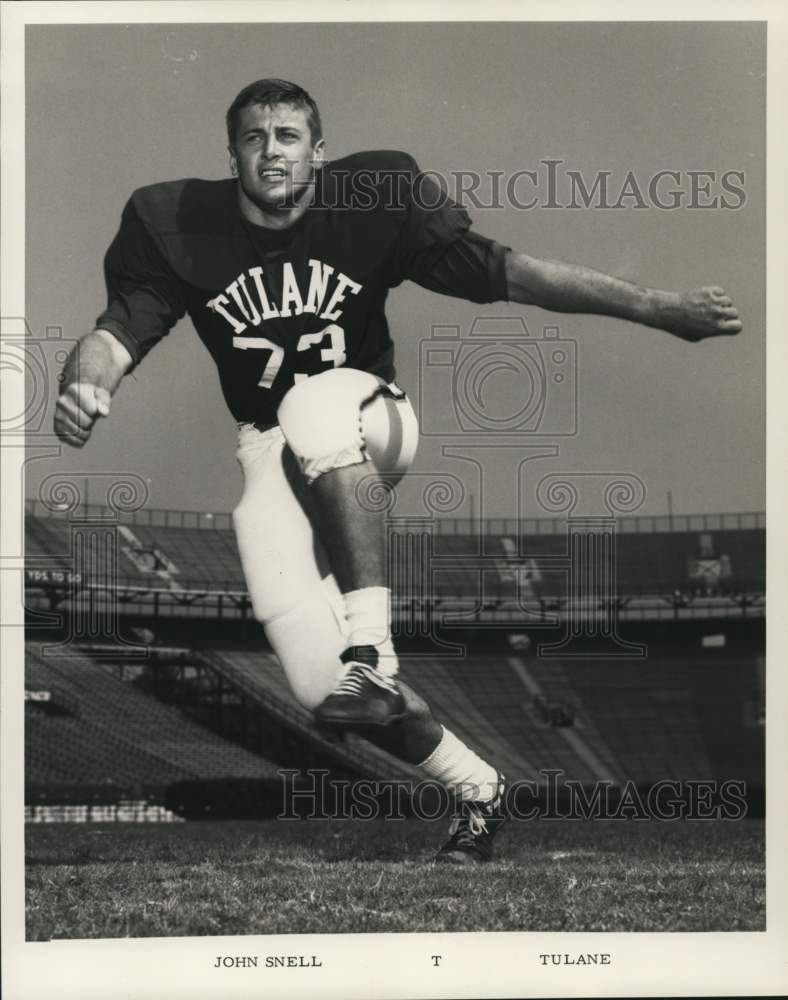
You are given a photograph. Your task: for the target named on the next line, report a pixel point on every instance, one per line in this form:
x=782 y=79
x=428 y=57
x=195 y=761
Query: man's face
x=273 y=155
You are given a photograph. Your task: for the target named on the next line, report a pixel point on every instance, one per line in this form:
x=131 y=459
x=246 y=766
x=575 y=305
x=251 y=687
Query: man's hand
x=574 y=288
x=701 y=313
x=78 y=408
x=92 y=374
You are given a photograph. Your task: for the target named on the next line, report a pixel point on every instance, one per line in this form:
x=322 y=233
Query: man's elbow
x=523 y=278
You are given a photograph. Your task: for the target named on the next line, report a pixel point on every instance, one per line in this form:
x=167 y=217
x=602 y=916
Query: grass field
x=190 y=879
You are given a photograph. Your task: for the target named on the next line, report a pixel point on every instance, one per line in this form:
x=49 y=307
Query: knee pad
x=344 y=417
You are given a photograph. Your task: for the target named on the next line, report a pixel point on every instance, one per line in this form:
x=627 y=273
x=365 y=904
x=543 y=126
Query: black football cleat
x=363 y=697
x=473 y=829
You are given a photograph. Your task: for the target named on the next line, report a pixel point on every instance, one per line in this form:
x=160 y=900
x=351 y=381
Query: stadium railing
x=629 y=524
x=186 y=562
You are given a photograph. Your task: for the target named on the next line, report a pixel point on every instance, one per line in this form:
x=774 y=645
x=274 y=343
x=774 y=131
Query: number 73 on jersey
x=333 y=354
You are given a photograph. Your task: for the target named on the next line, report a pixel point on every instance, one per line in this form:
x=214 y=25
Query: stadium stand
x=196 y=556
x=61 y=749
x=674 y=715
x=47 y=539
x=483 y=701
x=647 y=562
x=122 y=732
x=683 y=712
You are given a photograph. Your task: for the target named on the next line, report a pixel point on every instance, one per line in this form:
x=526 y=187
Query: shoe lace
x=353 y=682
x=466 y=828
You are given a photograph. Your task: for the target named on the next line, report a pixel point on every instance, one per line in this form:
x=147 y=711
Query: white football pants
x=293 y=592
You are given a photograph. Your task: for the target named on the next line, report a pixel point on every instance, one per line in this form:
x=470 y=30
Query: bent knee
x=344 y=417
x=321 y=419
x=307 y=697
x=308 y=640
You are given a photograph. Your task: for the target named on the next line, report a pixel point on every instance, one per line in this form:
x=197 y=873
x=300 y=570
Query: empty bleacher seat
x=133 y=733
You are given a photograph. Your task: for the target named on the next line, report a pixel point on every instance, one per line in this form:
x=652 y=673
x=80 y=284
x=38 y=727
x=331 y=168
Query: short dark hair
x=271 y=91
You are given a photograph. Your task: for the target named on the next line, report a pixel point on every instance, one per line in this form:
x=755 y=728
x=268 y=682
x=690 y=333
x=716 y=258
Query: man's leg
x=348 y=417
x=354 y=539
x=353 y=536
x=335 y=423
x=301 y=608
x=293 y=594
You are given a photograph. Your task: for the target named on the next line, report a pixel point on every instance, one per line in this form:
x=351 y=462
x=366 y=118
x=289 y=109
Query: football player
x=284 y=270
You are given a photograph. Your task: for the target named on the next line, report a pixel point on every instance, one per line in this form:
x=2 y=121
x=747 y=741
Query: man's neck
x=275 y=218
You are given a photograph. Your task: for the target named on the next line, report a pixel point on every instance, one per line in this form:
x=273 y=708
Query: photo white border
x=396 y=965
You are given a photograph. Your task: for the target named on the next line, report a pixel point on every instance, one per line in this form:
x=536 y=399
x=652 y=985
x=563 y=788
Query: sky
x=114 y=107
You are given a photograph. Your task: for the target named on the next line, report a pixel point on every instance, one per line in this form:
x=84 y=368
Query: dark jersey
x=275 y=306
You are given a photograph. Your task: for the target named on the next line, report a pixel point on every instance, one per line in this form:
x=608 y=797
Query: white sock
x=461 y=770
x=367 y=613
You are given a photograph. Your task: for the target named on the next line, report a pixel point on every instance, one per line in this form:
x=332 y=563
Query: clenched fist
x=704 y=312
x=77 y=409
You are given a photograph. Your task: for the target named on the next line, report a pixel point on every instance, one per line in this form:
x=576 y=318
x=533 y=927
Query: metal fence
x=637 y=524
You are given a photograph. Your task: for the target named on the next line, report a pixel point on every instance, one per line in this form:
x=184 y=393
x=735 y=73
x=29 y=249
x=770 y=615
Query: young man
x=284 y=271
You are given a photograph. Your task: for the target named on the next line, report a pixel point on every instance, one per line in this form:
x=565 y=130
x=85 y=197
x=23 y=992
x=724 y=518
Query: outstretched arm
x=90 y=377
x=573 y=288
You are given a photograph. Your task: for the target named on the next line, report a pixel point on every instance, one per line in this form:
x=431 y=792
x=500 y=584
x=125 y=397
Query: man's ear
x=233 y=162
x=319 y=151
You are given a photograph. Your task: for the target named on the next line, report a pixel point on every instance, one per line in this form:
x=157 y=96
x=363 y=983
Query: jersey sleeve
x=438 y=250
x=144 y=297
x=471 y=268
